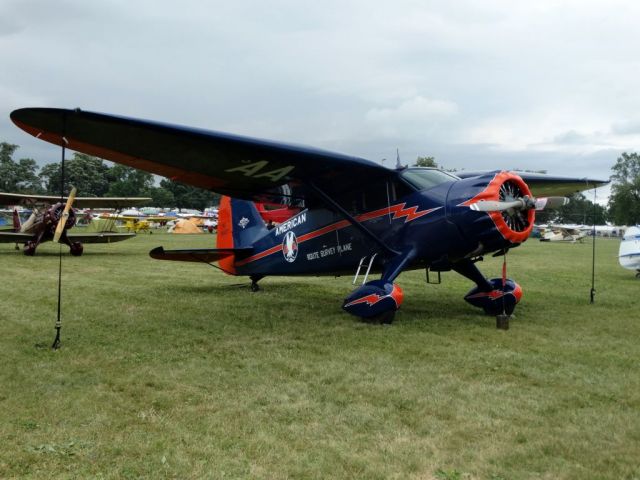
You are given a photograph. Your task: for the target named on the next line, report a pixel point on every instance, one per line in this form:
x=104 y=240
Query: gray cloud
x=488 y=84
x=630 y=127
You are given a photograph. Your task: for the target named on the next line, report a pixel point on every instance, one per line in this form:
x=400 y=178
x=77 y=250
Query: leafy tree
x=425 y=162
x=128 y=182
x=162 y=197
x=624 y=202
x=579 y=210
x=187 y=196
x=88 y=174
x=20 y=176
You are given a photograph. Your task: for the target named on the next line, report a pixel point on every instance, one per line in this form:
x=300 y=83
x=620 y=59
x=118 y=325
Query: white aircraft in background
x=564 y=233
x=629 y=254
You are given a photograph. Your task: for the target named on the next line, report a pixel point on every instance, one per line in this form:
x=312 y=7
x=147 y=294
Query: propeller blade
x=495 y=206
x=64 y=216
x=551 y=202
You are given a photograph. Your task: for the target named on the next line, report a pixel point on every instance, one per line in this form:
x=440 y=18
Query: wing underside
x=238 y=166
x=79 y=202
x=14 y=237
x=543 y=185
x=104 y=237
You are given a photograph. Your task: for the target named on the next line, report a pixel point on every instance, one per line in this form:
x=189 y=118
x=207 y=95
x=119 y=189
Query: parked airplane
x=355 y=214
x=564 y=233
x=45 y=216
x=629 y=254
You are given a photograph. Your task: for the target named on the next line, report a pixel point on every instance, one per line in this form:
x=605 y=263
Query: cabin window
x=424 y=178
x=376 y=195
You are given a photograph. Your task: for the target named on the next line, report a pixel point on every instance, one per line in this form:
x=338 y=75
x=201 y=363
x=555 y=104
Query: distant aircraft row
x=45 y=212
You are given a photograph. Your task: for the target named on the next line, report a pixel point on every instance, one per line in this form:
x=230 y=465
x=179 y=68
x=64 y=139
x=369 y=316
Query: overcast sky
x=478 y=84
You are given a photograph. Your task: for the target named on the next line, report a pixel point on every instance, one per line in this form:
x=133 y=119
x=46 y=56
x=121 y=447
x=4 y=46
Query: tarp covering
x=185 y=226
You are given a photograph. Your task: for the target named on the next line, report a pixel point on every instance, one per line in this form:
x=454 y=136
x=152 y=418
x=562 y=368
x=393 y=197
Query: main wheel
x=29 y=249
x=76 y=249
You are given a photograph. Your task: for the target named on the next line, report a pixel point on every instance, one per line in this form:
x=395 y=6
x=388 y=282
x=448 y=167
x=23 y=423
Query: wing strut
x=329 y=201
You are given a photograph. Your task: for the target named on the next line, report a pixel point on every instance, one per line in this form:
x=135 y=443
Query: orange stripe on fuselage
x=398 y=212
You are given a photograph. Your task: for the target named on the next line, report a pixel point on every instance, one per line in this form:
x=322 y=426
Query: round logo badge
x=290 y=246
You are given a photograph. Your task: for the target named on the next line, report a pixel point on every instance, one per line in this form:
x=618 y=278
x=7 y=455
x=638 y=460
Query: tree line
x=93 y=177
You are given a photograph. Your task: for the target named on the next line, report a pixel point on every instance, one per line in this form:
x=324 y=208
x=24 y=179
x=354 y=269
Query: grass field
x=168 y=370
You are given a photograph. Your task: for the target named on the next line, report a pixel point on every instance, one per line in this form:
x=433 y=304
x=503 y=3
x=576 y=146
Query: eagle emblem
x=290 y=246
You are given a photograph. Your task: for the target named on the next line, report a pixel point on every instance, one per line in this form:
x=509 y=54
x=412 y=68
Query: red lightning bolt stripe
x=398 y=212
x=369 y=299
x=372 y=299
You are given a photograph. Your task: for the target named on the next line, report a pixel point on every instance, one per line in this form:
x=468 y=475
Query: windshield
x=423 y=178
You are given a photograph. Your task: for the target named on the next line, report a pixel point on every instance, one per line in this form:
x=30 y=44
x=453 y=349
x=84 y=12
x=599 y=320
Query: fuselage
x=434 y=223
x=629 y=254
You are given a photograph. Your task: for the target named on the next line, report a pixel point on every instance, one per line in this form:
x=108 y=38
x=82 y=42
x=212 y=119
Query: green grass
x=168 y=370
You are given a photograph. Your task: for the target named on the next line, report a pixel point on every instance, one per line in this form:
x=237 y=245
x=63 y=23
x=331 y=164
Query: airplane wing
x=14 y=237
x=158 y=218
x=79 y=202
x=238 y=166
x=543 y=185
x=99 y=237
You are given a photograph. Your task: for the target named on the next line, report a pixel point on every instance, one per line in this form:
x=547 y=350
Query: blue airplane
x=353 y=214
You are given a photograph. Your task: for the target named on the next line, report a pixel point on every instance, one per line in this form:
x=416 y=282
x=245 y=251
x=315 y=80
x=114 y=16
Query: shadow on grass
x=89 y=253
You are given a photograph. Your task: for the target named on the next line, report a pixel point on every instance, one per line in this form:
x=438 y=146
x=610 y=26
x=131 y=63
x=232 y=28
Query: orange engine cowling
x=515 y=225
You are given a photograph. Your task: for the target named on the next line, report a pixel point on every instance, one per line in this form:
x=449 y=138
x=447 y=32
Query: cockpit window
x=423 y=178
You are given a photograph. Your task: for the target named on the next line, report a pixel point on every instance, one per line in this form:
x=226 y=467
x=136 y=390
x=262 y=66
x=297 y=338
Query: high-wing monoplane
x=356 y=216
x=46 y=212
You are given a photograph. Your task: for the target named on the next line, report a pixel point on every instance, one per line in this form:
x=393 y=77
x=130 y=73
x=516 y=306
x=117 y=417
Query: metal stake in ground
x=56 y=341
x=502 y=320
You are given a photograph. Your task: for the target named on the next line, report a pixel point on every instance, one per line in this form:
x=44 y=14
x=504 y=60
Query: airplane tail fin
x=239 y=226
x=16 y=220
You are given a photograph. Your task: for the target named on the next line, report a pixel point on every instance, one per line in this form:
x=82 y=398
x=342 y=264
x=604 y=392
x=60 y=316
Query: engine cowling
x=52 y=217
x=374 y=299
x=494 y=229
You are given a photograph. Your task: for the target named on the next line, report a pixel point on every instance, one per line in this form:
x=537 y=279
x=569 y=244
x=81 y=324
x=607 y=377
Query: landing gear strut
x=254 y=282
x=497 y=296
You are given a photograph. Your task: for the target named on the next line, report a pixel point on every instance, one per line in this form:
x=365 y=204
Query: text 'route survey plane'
x=355 y=215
